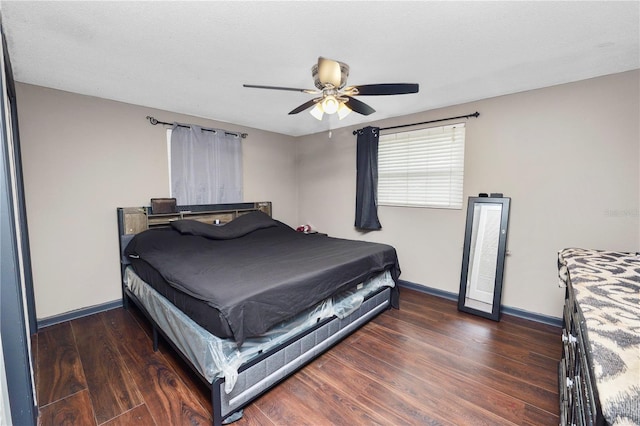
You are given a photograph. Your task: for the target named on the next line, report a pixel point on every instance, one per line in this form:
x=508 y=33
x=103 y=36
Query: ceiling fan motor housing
x=344 y=73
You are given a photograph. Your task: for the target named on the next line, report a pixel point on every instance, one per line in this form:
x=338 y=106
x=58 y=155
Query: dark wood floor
x=423 y=364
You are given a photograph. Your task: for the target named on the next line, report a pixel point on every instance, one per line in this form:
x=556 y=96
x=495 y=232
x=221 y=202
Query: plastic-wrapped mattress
x=215 y=357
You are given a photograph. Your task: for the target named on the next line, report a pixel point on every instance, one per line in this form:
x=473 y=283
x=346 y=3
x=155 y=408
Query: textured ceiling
x=193 y=57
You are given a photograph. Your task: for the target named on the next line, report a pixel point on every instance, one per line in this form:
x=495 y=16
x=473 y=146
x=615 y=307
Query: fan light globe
x=330 y=105
x=343 y=110
x=317 y=111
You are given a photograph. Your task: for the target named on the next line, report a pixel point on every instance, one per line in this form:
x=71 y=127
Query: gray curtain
x=367 y=179
x=206 y=166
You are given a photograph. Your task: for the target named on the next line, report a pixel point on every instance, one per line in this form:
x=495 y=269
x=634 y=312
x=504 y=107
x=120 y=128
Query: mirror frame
x=502 y=249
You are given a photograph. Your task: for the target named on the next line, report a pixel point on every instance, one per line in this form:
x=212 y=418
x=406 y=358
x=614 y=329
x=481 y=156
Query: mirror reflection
x=483 y=256
x=483 y=259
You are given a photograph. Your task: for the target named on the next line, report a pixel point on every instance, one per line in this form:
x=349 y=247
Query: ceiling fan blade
x=358 y=106
x=292 y=89
x=385 y=89
x=329 y=72
x=304 y=106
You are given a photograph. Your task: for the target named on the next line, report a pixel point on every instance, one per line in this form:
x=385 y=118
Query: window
x=422 y=168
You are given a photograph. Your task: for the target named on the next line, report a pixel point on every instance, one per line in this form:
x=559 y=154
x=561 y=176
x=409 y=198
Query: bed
x=245 y=299
x=600 y=368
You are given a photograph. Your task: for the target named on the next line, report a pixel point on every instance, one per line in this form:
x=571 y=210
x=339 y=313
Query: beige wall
x=567 y=155
x=83 y=157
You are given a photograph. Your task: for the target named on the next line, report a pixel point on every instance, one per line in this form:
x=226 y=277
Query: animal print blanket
x=606 y=285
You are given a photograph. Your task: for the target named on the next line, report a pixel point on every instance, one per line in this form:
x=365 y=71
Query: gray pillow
x=238 y=227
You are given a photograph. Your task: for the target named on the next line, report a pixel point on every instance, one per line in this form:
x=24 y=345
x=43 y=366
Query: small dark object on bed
x=163 y=205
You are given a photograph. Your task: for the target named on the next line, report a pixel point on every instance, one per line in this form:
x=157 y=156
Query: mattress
x=606 y=286
x=214 y=357
x=239 y=280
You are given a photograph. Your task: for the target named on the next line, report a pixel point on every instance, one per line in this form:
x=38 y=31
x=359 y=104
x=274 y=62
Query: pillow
x=238 y=227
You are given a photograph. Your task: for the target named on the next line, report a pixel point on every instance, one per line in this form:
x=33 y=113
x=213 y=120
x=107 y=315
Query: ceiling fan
x=330 y=79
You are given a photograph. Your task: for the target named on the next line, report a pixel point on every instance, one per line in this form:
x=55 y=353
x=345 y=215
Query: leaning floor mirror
x=485 y=241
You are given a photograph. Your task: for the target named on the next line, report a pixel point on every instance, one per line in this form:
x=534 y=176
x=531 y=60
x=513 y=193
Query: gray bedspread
x=263 y=277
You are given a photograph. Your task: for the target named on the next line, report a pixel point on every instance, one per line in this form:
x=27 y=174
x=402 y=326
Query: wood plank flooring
x=424 y=364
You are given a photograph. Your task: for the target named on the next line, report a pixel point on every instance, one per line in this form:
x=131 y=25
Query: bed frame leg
x=155 y=339
x=216 y=403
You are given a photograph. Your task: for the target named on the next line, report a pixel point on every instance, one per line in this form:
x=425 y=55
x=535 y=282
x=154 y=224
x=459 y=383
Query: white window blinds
x=422 y=168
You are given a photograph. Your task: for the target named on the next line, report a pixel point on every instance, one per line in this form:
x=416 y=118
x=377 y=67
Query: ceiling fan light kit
x=330 y=77
x=330 y=105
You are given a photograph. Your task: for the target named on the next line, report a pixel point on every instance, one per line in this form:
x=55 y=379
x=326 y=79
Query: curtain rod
x=154 y=122
x=475 y=114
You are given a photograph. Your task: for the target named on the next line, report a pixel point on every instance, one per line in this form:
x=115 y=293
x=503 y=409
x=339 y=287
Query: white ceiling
x=193 y=57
